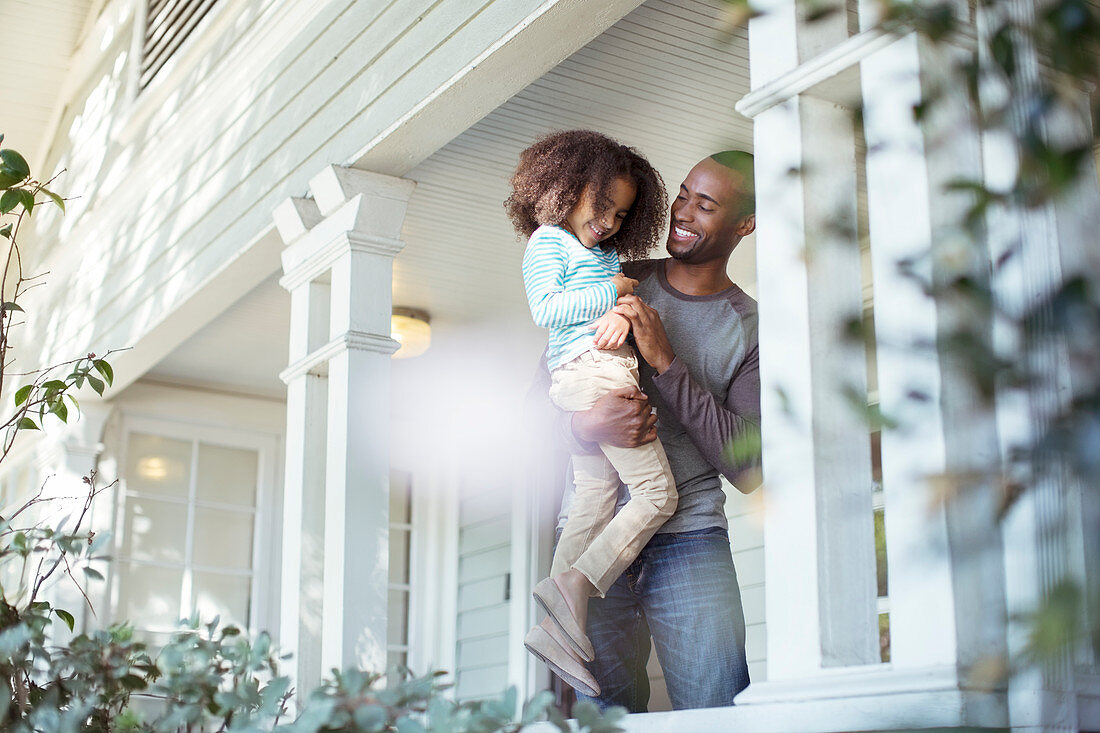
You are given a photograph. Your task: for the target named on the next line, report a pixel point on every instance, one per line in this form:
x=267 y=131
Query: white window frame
x=409 y=587
x=433 y=570
x=266 y=535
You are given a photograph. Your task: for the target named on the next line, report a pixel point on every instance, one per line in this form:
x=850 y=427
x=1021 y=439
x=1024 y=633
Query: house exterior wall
x=178 y=182
x=173 y=224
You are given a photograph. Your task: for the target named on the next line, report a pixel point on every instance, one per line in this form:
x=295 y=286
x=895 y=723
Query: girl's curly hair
x=553 y=173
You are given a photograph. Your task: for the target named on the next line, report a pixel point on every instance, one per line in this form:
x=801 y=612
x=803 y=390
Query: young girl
x=583 y=200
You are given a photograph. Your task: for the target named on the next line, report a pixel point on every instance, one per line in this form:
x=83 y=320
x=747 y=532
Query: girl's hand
x=650 y=337
x=611 y=330
x=624 y=285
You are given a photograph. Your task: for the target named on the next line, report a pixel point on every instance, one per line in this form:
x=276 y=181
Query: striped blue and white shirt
x=568 y=287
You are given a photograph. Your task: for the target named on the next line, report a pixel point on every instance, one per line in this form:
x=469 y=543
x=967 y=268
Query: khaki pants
x=595 y=540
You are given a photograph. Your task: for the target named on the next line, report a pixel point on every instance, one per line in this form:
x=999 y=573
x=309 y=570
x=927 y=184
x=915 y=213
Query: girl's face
x=591 y=226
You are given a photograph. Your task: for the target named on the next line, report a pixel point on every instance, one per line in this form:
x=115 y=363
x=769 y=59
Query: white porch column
x=943 y=547
x=818 y=526
x=945 y=578
x=338 y=267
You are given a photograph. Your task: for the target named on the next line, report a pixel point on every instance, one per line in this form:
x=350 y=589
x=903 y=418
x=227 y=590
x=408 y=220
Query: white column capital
x=336 y=185
x=296 y=216
x=350 y=210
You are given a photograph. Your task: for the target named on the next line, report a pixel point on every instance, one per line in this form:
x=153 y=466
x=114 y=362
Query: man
x=696 y=332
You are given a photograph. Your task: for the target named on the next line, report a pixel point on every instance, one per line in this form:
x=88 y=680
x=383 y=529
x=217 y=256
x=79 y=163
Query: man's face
x=705 y=224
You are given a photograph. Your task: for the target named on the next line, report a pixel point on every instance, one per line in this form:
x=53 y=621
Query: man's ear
x=746 y=226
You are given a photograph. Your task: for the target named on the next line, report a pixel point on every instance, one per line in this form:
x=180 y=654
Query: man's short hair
x=740 y=163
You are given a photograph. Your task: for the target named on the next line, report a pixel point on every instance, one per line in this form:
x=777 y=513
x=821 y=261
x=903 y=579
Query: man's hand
x=622 y=418
x=611 y=330
x=649 y=333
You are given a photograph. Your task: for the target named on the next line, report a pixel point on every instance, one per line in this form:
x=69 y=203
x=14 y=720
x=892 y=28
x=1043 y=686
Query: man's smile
x=681 y=234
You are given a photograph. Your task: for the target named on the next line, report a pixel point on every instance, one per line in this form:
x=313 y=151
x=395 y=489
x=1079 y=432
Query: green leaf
x=6 y=694
x=22 y=394
x=55 y=198
x=60 y=410
x=535 y=707
x=27 y=198
x=133 y=682
x=93 y=573
x=26 y=424
x=409 y=725
x=11 y=639
x=105 y=369
x=9 y=200
x=54 y=384
x=66 y=617
x=96 y=384
x=12 y=306
x=13 y=168
x=6 y=231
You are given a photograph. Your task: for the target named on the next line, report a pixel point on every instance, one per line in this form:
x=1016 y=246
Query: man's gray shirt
x=707 y=398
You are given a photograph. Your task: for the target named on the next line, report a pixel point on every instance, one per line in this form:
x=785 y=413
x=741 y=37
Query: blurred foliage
x=1030 y=72
x=206 y=677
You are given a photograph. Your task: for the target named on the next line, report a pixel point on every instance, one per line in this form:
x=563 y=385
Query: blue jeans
x=682 y=589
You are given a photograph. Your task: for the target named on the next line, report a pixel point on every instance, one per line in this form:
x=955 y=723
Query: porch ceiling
x=660 y=79
x=39 y=40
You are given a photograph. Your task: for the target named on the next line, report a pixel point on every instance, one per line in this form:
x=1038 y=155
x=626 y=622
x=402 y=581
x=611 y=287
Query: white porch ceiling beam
x=522 y=54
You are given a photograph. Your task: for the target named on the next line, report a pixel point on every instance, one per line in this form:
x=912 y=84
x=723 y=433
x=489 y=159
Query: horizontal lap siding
x=484 y=557
x=162 y=212
x=746 y=519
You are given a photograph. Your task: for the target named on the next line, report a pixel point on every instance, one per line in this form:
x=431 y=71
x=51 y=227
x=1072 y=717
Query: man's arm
x=714 y=426
x=623 y=417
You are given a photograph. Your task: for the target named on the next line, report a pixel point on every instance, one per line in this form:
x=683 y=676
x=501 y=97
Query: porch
x=397 y=516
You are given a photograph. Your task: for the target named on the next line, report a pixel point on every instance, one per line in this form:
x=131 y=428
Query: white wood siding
x=175 y=182
x=484 y=560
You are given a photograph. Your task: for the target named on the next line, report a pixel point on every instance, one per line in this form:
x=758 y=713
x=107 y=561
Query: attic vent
x=168 y=23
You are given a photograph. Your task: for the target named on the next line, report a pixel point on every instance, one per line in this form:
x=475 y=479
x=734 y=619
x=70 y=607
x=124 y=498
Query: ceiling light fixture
x=411 y=328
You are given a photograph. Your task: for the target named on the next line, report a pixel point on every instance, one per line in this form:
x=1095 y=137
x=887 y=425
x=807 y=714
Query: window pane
x=223 y=539
x=156 y=465
x=400 y=509
x=227 y=475
x=155 y=530
x=398 y=617
x=226 y=596
x=150 y=596
x=399 y=555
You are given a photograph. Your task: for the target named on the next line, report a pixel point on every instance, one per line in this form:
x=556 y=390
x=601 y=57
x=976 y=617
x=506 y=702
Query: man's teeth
x=684 y=233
